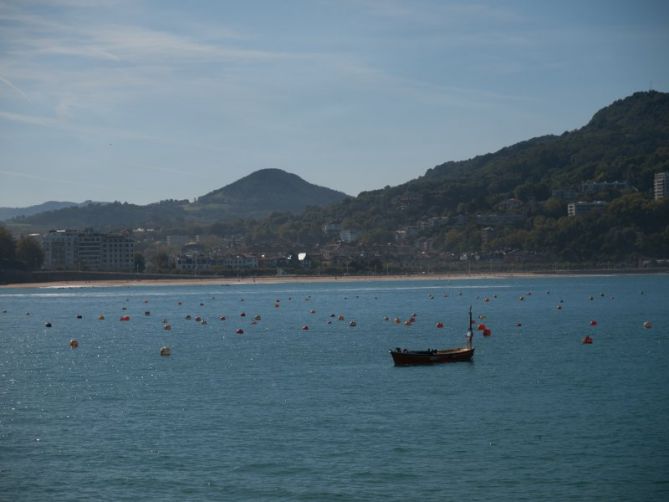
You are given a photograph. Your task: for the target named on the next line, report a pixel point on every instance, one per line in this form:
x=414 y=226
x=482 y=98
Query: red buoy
x=487 y=332
x=439 y=325
x=125 y=318
x=481 y=327
x=587 y=340
x=593 y=323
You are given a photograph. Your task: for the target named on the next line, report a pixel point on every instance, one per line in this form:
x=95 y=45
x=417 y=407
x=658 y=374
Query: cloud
x=49 y=179
x=9 y=84
x=29 y=119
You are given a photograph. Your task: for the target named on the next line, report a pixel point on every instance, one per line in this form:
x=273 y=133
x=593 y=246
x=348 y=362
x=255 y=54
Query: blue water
x=280 y=413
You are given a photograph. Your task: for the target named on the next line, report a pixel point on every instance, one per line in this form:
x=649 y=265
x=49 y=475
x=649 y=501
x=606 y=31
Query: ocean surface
x=285 y=413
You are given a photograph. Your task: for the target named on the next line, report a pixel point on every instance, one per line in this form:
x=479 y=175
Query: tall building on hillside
x=661 y=185
x=88 y=250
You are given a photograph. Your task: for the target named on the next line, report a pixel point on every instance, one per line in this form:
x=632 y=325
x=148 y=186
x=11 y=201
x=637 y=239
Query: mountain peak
x=271 y=189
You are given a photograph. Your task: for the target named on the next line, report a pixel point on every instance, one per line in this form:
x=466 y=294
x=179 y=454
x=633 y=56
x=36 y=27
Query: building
x=578 y=208
x=601 y=186
x=661 y=185
x=88 y=250
x=349 y=235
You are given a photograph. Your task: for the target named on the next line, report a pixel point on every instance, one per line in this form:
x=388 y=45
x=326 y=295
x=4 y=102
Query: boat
x=405 y=357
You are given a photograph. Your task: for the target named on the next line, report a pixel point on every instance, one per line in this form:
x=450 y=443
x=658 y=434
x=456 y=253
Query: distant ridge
x=254 y=196
x=7 y=213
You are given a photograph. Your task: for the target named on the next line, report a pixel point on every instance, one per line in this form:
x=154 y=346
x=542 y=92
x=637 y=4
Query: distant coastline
x=296 y=279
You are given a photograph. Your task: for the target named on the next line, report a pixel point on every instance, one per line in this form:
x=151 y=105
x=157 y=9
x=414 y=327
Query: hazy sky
x=140 y=101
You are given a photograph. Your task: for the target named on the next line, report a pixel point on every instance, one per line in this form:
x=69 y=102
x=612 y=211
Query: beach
x=283 y=279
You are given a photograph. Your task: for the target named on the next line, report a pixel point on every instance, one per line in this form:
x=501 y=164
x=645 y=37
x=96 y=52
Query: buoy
x=587 y=340
x=48 y=324
x=439 y=325
x=222 y=318
x=79 y=316
x=386 y=318
x=188 y=317
x=397 y=320
x=239 y=331
x=341 y=317
x=147 y=313
x=312 y=311
x=593 y=323
x=522 y=298
x=487 y=332
x=74 y=343
x=481 y=327
x=276 y=305
x=125 y=318
x=198 y=318
x=559 y=307
x=257 y=317
x=353 y=324
x=305 y=328
x=243 y=314
x=101 y=317
x=165 y=351
x=167 y=327
x=519 y=324
x=647 y=324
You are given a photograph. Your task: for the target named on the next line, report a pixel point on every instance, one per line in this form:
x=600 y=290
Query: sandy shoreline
x=220 y=281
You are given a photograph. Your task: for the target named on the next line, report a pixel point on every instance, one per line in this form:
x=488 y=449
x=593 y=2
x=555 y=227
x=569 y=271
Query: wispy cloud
x=9 y=84
x=29 y=119
x=49 y=179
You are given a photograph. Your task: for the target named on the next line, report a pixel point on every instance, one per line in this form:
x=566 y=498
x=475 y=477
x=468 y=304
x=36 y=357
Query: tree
x=139 y=262
x=7 y=246
x=29 y=251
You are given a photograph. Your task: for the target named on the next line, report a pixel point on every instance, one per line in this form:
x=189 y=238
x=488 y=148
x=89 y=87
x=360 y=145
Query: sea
x=288 y=391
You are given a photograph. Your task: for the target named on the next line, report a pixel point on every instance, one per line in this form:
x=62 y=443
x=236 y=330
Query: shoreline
x=308 y=279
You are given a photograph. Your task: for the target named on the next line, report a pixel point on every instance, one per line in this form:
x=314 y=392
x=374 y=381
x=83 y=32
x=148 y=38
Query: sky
x=142 y=101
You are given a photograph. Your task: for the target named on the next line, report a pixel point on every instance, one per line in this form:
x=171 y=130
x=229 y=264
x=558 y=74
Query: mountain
x=7 y=213
x=257 y=195
x=519 y=194
x=626 y=141
x=270 y=190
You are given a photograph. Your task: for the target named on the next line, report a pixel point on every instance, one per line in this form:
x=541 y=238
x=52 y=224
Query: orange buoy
x=587 y=340
x=74 y=343
x=439 y=325
x=165 y=351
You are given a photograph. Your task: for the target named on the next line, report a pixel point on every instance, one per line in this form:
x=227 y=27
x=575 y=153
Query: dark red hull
x=410 y=357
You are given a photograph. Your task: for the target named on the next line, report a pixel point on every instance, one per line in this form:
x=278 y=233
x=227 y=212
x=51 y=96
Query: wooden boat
x=405 y=357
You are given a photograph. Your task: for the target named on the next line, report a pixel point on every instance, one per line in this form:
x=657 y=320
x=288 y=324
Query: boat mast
x=470 y=331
